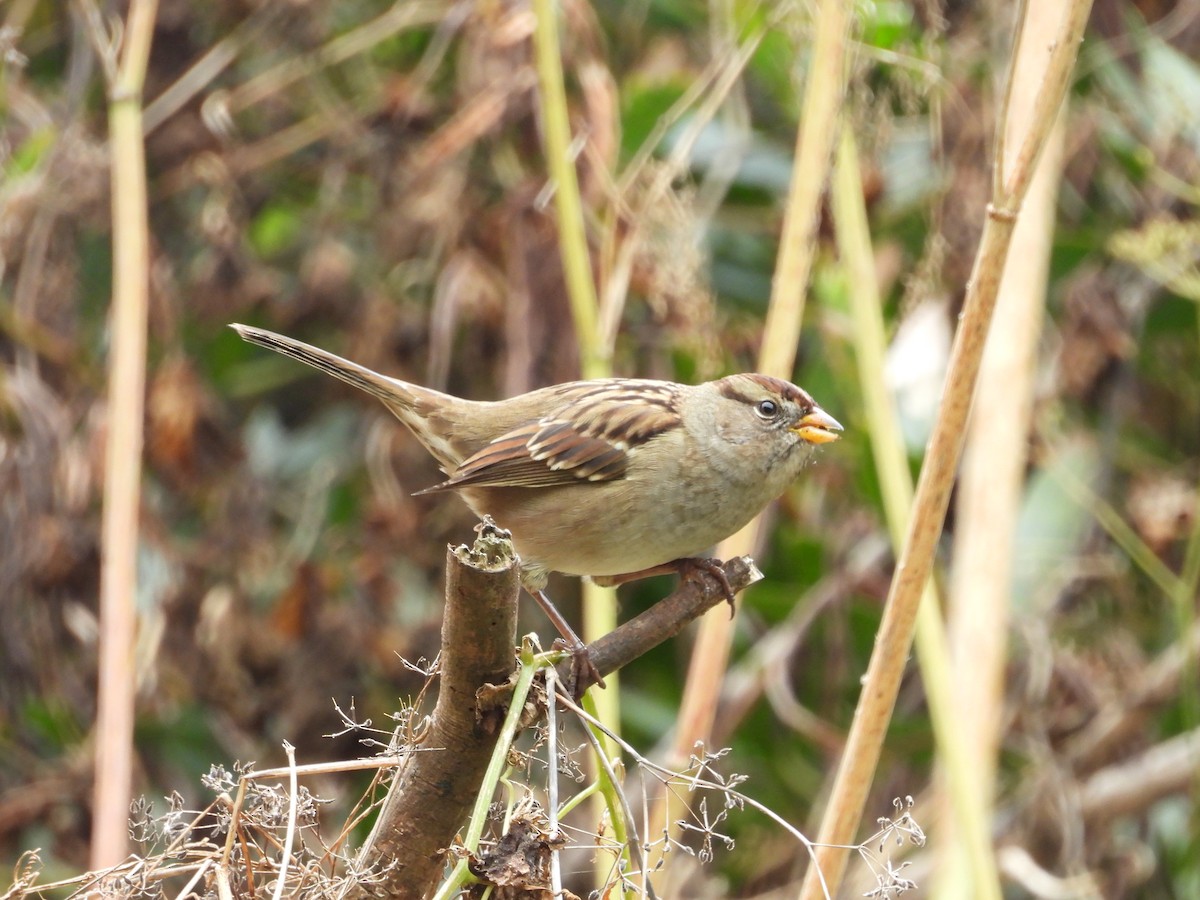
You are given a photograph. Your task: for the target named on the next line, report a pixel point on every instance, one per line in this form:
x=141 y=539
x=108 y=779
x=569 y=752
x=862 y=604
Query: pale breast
x=613 y=528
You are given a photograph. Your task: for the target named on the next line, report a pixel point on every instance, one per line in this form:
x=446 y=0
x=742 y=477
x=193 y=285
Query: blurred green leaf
x=275 y=229
x=887 y=23
x=278 y=453
x=30 y=153
x=641 y=110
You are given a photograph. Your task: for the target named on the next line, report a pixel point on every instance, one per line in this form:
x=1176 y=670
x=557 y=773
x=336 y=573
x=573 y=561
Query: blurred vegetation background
x=370 y=178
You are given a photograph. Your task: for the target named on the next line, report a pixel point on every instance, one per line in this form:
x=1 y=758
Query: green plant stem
x=595 y=354
x=530 y=662
x=605 y=743
x=824 y=93
x=556 y=127
x=1122 y=535
x=578 y=797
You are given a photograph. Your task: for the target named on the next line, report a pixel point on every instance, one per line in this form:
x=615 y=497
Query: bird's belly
x=591 y=529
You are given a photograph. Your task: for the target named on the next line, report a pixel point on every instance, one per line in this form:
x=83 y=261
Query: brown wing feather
x=586 y=440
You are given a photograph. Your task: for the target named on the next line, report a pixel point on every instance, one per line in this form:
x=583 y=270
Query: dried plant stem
x=398 y=18
x=701 y=101
x=123 y=457
x=1134 y=784
x=285 y=857
x=823 y=95
x=824 y=92
x=1162 y=681
x=887 y=445
x=990 y=486
x=856 y=771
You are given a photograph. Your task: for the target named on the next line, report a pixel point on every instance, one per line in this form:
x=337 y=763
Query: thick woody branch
x=435 y=788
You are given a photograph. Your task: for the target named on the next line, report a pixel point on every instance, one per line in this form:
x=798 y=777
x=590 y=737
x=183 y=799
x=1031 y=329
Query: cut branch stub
x=435 y=787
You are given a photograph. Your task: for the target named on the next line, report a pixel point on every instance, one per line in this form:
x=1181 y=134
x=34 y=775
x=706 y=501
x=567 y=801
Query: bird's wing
x=587 y=439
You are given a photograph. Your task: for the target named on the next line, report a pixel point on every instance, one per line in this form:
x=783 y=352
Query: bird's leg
x=687 y=568
x=581 y=661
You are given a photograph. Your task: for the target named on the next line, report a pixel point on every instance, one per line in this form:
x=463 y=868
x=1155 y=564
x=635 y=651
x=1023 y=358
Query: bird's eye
x=768 y=409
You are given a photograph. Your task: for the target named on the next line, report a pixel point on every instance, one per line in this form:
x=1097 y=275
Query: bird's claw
x=691 y=568
x=583 y=671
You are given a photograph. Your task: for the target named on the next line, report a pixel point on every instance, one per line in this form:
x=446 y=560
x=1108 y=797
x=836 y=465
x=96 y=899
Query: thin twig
x=290 y=835
x=625 y=826
x=694 y=782
x=552 y=781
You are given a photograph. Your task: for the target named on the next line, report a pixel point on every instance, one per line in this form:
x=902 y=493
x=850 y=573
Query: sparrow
x=614 y=478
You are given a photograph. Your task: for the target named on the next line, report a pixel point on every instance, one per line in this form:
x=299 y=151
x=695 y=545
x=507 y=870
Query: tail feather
x=431 y=415
x=393 y=392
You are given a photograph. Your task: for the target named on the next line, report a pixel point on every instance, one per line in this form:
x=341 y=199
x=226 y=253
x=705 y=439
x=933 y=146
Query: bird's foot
x=692 y=567
x=583 y=671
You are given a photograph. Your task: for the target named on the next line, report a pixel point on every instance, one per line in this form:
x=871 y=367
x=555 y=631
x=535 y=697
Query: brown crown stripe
x=729 y=387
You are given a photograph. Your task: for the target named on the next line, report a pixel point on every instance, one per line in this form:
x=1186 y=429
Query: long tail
x=391 y=391
x=410 y=403
x=446 y=425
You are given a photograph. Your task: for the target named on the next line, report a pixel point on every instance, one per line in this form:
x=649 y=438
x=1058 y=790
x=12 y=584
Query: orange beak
x=818 y=427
